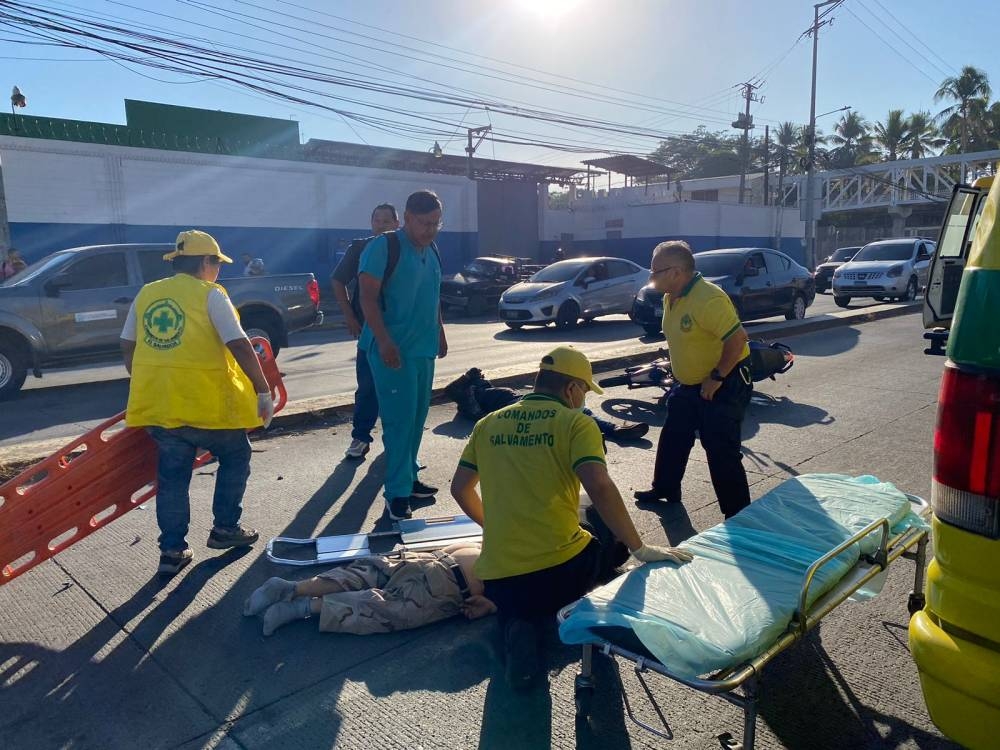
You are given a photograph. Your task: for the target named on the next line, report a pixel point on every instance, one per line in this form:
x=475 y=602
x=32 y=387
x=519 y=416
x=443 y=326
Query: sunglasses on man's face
x=662 y=270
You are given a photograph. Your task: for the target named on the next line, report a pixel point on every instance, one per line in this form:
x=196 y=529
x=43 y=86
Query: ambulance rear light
x=313 y=289
x=966 y=486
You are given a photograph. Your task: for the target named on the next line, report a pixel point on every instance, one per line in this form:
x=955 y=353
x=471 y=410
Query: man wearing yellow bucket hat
x=196 y=383
x=530 y=459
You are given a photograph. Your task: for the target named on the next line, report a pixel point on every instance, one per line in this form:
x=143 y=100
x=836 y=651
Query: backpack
x=391 y=262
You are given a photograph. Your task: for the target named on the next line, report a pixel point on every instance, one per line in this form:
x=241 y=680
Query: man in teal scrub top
x=403 y=334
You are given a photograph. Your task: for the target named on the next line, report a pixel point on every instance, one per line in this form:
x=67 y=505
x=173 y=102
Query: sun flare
x=549 y=11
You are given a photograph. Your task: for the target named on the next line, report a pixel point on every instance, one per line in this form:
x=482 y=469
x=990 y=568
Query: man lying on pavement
x=380 y=594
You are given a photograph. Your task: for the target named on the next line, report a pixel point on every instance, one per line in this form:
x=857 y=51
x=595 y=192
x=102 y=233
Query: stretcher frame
x=415 y=534
x=746 y=677
x=90 y=482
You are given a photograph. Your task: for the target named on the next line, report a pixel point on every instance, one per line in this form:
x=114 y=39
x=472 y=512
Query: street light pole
x=811 y=134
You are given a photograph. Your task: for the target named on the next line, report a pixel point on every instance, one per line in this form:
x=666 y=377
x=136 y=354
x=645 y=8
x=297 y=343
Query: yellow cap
x=196 y=242
x=568 y=361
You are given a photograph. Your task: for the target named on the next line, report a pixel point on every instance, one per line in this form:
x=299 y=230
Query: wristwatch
x=716 y=375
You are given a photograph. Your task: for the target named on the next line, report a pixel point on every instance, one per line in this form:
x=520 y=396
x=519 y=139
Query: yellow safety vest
x=183 y=375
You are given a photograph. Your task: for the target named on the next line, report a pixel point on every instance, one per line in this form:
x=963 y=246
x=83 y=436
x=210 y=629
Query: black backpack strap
x=391 y=261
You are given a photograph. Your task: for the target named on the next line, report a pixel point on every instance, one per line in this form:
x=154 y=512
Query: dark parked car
x=477 y=289
x=824 y=271
x=760 y=282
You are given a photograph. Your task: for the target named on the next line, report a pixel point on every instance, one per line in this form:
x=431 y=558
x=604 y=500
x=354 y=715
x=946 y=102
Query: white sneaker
x=357 y=449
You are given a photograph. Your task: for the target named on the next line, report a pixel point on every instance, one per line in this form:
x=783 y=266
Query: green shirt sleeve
x=585 y=441
x=718 y=317
x=468 y=459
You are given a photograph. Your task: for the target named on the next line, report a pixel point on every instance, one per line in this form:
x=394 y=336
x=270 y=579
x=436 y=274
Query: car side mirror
x=587 y=281
x=56 y=284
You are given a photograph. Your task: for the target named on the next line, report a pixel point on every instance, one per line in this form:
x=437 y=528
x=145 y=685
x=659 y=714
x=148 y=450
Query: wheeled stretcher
x=759 y=582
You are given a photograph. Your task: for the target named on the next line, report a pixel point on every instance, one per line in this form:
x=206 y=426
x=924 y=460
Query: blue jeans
x=365 y=400
x=175 y=464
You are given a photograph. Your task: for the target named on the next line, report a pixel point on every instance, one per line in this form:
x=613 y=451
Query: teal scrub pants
x=404 y=396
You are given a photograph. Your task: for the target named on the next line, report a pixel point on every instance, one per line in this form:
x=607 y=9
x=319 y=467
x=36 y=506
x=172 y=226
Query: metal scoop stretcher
x=414 y=534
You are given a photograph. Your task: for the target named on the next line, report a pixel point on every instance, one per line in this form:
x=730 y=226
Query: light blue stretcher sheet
x=738 y=595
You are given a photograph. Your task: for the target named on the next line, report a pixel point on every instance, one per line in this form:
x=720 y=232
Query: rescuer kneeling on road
x=530 y=459
x=196 y=383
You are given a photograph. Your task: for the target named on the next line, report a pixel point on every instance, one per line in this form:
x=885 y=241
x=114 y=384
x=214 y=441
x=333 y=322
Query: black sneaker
x=422 y=490
x=653 y=496
x=399 y=508
x=236 y=536
x=521 y=655
x=173 y=562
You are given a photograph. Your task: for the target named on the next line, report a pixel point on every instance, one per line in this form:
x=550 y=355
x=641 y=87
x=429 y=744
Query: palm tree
x=787 y=137
x=892 y=134
x=923 y=135
x=969 y=85
x=853 y=143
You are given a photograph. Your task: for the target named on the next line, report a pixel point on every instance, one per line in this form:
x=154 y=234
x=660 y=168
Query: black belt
x=456 y=571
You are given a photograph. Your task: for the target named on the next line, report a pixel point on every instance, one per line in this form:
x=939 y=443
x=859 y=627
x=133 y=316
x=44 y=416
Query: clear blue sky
x=673 y=64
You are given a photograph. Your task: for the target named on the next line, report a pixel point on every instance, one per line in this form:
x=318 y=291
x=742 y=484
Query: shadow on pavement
x=597 y=331
x=634 y=410
x=766 y=409
x=834 y=341
x=39 y=408
x=845 y=720
x=79 y=680
x=459 y=427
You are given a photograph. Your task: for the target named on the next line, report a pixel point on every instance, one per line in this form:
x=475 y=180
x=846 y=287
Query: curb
x=319 y=412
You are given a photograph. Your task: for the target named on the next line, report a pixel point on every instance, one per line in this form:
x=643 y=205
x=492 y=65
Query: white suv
x=884 y=270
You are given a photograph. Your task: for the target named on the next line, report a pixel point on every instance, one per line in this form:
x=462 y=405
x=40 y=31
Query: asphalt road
x=66 y=403
x=97 y=654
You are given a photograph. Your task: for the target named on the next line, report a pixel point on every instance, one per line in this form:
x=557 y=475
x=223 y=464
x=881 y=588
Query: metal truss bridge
x=894 y=183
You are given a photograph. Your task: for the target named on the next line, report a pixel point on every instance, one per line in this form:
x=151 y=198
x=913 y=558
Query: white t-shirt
x=220 y=311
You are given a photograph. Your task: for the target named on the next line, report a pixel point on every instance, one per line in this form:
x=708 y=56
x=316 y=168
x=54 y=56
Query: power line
x=930 y=49
x=921 y=55
x=436 y=44
x=886 y=43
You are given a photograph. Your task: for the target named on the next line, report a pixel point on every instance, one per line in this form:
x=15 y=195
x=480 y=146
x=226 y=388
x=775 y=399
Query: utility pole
x=810 y=248
x=471 y=148
x=767 y=164
x=744 y=122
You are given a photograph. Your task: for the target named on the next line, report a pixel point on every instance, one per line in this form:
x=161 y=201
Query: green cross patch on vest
x=163 y=324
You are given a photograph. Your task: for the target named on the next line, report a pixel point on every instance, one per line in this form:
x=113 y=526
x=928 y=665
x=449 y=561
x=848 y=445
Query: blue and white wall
x=297 y=216
x=644 y=219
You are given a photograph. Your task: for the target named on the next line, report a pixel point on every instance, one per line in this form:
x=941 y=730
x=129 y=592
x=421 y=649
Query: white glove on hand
x=265 y=408
x=648 y=553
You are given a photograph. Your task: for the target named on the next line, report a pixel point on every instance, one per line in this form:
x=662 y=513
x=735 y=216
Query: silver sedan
x=569 y=290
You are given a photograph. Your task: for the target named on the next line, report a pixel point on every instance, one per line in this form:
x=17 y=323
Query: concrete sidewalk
x=97 y=653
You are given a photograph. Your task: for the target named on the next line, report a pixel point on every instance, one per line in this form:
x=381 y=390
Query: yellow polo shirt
x=696 y=324
x=526 y=455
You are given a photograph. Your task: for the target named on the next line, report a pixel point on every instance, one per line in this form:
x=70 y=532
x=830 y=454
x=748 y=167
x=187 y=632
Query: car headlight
x=837 y=274
x=552 y=291
x=895 y=272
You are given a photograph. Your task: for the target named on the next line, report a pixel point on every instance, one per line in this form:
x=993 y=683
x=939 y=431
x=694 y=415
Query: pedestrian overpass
x=901 y=183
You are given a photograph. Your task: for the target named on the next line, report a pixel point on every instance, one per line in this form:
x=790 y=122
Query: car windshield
x=564 y=270
x=843 y=254
x=480 y=268
x=724 y=264
x=886 y=251
x=46 y=263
